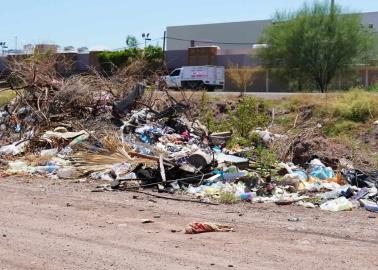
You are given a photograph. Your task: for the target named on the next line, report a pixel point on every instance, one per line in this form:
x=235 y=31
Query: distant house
x=43 y=48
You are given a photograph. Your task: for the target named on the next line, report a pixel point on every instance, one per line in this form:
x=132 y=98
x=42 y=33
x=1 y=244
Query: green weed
x=6 y=97
x=228 y=198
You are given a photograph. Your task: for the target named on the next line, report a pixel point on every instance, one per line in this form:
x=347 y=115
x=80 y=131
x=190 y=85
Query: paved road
x=53 y=224
x=264 y=95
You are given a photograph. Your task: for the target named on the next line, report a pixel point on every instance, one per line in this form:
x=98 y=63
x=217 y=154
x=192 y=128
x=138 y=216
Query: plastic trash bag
x=319 y=170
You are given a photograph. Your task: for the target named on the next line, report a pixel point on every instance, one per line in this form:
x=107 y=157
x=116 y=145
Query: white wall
x=235 y=32
x=242 y=32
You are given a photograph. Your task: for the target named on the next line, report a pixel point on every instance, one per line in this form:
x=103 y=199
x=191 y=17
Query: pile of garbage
x=46 y=130
x=165 y=151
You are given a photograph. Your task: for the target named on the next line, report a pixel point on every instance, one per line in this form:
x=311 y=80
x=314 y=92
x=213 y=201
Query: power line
x=212 y=42
x=195 y=40
x=137 y=45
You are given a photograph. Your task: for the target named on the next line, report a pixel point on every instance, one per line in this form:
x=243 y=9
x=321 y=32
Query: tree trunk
x=321 y=85
x=300 y=86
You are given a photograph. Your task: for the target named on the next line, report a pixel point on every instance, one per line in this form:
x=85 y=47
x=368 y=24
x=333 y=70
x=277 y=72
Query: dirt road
x=53 y=224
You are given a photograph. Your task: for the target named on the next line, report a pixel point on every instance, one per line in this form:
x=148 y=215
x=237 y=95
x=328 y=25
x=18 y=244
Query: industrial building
x=235 y=43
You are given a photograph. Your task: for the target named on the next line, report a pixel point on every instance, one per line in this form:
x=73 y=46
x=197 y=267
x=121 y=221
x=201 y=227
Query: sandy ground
x=51 y=224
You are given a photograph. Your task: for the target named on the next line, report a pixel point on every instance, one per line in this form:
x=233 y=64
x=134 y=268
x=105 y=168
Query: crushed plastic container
x=339 y=204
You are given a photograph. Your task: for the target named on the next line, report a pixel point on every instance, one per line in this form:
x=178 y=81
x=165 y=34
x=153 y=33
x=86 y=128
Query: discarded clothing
x=196 y=227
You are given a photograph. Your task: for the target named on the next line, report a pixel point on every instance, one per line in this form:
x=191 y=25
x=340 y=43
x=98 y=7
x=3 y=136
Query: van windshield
x=176 y=72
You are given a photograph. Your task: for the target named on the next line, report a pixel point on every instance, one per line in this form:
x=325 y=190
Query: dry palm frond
x=112 y=152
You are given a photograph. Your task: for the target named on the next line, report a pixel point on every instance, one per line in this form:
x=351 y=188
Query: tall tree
x=315 y=42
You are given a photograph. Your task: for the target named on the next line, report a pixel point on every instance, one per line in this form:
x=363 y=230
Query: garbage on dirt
x=123 y=140
x=197 y=227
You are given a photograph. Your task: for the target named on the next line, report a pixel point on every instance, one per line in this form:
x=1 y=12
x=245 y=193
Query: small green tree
x=315 y=43
x=131 y=41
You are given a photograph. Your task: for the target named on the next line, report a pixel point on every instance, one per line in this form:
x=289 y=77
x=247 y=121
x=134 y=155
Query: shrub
x=266 y=160
x=250 y=113
x=151 y=54
x=372 y=88
x=242 y=77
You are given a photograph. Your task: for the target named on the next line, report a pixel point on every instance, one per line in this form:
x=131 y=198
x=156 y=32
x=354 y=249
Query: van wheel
x=162 y=85
x=202 y=86
x=192 y=85
x=210 y=88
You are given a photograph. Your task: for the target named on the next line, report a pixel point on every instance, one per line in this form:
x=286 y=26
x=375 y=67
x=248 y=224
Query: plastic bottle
x=339 y=204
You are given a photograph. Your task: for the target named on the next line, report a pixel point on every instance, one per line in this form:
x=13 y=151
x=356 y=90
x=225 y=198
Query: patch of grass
x=340 y=127
x=356 y=105
x=238 y=140
x=372 y=88
x=6 y=97
x=228 y=198
x=285 y=121
x=375 y=160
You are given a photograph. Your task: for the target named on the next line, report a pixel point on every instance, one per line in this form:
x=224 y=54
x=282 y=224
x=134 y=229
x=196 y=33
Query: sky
x=99 y=24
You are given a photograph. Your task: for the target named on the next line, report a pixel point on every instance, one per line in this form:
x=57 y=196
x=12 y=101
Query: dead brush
x=113 y=151
x=35 y=160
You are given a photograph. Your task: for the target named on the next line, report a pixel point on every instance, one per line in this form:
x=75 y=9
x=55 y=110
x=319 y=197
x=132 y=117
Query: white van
x=196 y=77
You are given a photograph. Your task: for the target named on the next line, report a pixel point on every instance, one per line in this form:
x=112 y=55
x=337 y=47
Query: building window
x=371 y=26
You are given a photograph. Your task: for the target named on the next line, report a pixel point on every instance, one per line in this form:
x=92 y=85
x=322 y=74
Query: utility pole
x=165 y=35
x=332 y=4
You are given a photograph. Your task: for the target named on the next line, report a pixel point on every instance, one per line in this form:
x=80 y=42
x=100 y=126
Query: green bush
x=266 y=160
x=250 y=113
x=151 y=54
x=117 y=58
x=372 y=88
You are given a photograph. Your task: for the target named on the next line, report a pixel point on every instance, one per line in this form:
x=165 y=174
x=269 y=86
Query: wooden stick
x=162 y=170
x=173 y=199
